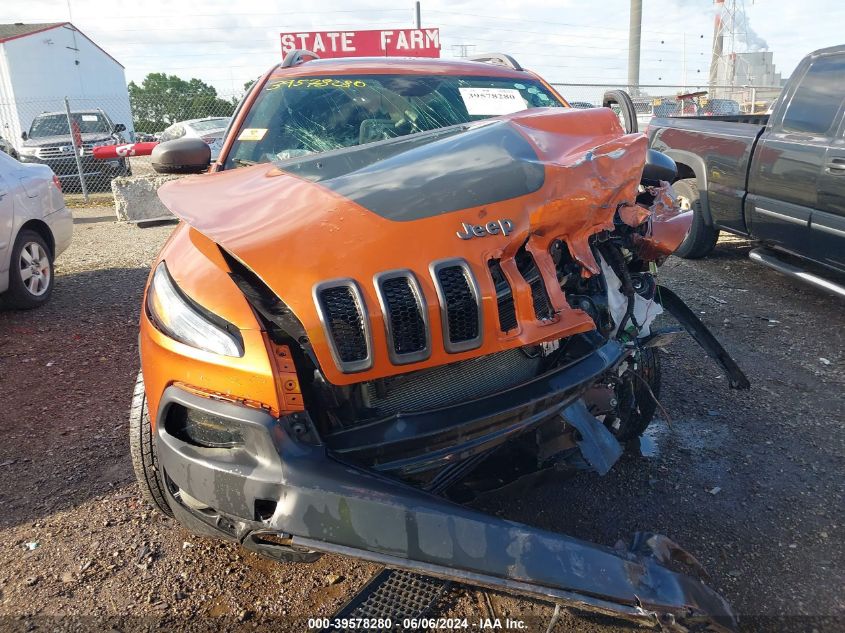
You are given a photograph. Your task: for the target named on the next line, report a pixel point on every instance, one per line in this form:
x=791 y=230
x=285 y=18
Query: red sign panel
x=380 y=43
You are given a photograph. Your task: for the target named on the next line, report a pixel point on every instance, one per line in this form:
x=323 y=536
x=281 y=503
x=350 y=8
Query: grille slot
x=504 y=297
x=55 y=151
x=344 y=316
x=405 y=316
x=540 y=296
x=460 y=304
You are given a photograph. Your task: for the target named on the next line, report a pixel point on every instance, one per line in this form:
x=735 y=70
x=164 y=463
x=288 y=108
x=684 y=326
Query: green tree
x=162 y=99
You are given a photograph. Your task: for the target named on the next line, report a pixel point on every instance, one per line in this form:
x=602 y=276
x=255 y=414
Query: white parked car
x=35 y=227
x=211 y=130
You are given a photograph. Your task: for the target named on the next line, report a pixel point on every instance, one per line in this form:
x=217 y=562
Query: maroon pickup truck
x=777 y=178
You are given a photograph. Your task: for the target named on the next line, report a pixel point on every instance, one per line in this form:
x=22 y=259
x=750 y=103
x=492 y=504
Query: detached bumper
x=276 y=484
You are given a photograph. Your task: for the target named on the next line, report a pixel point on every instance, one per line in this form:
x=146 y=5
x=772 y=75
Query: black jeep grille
x=504 y=297
x=461 y=306
x=345 y=322
x=540 y=296
x=404 y=312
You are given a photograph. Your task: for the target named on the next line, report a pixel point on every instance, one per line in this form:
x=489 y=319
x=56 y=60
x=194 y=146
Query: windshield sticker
x=519 y=86
x=542 y=97
x=325 y=82
x=492 y=101
x=89 y=117
x=252 y=134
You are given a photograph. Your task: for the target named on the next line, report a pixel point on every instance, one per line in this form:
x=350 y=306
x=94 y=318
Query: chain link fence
x=661 y=100
x=64 y=135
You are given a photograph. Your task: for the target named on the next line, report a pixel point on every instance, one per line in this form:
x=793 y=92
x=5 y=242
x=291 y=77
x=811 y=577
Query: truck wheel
x=143 y=451
x=30 y=273
x=636 y=395
x=701 y=238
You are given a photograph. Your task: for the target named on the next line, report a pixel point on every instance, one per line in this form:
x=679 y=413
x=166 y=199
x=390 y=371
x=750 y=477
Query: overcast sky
x=227 y=42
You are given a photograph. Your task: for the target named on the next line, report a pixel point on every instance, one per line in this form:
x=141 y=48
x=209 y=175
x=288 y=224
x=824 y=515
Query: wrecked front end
x=450 y=311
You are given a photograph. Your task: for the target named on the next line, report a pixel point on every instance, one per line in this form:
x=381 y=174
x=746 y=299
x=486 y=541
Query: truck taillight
x=57 y=182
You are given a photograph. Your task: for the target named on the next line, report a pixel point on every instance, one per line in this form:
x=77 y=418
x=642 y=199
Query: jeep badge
x=483 y=230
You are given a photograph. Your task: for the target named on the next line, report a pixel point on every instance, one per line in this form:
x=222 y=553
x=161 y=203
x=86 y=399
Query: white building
x=41 y=64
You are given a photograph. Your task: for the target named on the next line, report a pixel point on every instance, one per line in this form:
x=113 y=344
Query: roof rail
x=498 y=59
x=298 y=56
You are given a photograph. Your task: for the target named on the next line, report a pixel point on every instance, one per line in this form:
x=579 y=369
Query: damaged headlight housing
x=175 y=315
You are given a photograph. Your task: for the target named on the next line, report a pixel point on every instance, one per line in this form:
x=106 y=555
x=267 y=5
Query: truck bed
x=752 y=119
x=719 y=147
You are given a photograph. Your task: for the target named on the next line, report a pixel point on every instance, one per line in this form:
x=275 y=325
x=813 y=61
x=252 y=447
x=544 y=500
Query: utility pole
x=418 y=22
x=635 y=30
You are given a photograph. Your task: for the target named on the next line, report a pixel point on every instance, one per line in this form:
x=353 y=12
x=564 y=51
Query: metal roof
x=19 y=29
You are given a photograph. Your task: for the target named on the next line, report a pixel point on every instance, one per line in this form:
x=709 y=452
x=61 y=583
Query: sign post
x=76 y=141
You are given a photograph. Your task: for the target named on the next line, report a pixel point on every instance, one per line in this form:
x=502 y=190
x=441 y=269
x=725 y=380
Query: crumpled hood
x=401 y=204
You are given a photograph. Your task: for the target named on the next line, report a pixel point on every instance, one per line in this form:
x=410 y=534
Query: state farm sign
x=379 y=43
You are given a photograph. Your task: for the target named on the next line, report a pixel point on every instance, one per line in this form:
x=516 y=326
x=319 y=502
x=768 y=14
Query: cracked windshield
x=296 y=117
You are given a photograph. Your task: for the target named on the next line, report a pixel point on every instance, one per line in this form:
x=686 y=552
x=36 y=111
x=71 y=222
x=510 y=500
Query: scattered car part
x=699 y=332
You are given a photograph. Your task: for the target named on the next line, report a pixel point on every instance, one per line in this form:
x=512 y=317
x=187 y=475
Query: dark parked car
x=778 y=178
x=50 y=142
x=6 y=146
x=720 y=107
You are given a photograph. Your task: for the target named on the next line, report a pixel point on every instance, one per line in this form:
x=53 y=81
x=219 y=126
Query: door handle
x=836 y=165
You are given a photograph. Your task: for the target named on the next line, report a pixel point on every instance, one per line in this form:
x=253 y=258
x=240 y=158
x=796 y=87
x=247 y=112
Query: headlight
x=107 y=141
x=28 y=151
x=180 y=318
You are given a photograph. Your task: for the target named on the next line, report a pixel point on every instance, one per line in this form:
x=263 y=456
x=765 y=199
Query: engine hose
x=614 y=258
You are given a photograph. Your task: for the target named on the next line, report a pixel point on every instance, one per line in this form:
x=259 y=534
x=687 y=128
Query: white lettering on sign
x=492 y=101
x=379 y=43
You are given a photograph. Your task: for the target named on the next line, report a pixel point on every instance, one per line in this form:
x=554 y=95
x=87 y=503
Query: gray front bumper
x=324 y=505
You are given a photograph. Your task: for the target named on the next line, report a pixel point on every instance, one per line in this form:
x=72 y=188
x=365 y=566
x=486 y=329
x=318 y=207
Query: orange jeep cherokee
x=401 y=284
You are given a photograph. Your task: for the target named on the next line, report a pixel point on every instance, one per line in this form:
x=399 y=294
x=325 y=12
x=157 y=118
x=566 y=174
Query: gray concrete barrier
x=136 y=198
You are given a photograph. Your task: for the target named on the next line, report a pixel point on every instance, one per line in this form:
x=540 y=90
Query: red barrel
x=121 y=151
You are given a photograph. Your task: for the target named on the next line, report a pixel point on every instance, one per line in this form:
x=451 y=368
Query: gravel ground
x=750 y=482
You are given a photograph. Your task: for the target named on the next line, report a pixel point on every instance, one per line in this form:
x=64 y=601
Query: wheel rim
x=35 y=269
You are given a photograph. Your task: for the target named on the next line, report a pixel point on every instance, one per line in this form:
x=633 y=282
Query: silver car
x=35 y=227
x=211 y=130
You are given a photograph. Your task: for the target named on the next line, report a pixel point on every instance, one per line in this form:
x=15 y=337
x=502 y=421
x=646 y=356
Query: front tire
x=31 y=272
x=701 y=239
x=636 y=395
x=143 y=451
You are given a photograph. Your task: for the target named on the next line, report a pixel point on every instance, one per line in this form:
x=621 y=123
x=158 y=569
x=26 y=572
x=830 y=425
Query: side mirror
x=120 y=127
x=24 y=135
x=181 y=156
x=624 y=108
x=658 y=166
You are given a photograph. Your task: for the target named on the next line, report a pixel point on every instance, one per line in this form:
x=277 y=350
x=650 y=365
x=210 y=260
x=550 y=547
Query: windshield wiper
x=243 y=162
